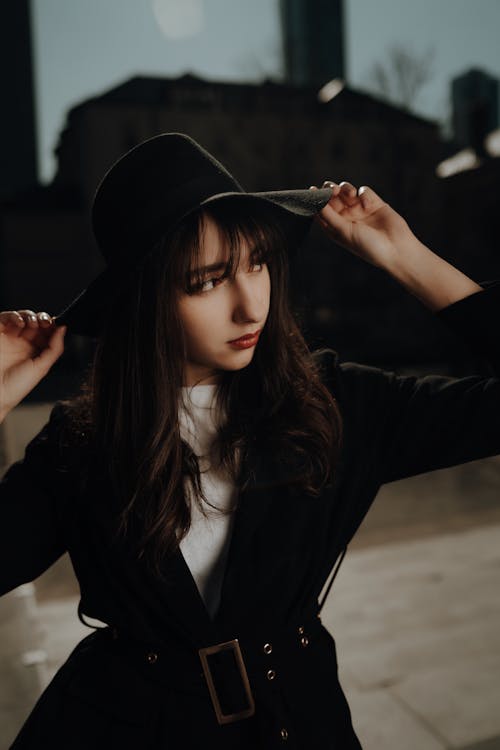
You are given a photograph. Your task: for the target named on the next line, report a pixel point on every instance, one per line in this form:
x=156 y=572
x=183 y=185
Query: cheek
x=267 y=287
x=263 y=295
x=195 y=326
x=199 y=323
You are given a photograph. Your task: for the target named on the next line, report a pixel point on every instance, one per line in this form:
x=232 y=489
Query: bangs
x=238 y=224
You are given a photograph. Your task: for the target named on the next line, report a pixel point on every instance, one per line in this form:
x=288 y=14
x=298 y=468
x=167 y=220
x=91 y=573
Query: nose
x=250 y=299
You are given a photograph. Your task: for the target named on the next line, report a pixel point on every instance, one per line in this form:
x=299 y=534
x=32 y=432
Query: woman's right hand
x=30 y=343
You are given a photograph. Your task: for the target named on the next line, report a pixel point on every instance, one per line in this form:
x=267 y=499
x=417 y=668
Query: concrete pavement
x=417 y=626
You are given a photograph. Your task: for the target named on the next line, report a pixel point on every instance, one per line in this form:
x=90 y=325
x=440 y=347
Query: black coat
x=138 y=683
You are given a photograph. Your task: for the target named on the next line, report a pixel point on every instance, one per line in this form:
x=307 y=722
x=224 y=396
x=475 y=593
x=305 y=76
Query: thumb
x=53 y=350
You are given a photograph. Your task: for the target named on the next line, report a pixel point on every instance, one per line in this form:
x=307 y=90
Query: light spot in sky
x=492 y=142
x=460 y=162
x=330 y=90
x=179 y=19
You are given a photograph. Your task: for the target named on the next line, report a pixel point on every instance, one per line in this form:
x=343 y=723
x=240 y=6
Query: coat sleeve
x=32 y=492
x=403 y=425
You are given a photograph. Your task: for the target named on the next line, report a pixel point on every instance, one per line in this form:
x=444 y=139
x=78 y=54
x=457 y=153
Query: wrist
x=430 y=278
x=405 y=261
x=4 y=410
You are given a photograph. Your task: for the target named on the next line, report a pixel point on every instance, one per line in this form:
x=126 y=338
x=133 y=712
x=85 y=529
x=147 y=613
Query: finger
x=11 y=320
x=369 y=198
x=44 y=319
x=335 y=191
x=333 y=201
x=348 y=193
x=333 y=185
x=336 y=201
x=29 y=317
x=52 y=350
x=38 y=337
x=336 y=224
x=34 y=330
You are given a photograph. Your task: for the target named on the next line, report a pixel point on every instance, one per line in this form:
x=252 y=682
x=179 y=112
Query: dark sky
x=83 y=48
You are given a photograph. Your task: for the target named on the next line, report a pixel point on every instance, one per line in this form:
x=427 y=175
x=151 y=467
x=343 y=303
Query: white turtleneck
x=206 y=544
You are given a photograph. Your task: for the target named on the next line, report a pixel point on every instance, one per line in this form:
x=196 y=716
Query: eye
x=257 y=266
x=213 y=280
x=209 y=284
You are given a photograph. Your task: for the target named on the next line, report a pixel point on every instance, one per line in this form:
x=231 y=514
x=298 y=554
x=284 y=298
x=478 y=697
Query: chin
x=236 y=366
x=238 y=362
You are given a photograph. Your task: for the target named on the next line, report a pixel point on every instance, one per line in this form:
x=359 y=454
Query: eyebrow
x=221 y=265
x=207 y=269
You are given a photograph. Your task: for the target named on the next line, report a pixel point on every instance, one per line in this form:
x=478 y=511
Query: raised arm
x=30 y=344
x=402 y=425
x=364 y=224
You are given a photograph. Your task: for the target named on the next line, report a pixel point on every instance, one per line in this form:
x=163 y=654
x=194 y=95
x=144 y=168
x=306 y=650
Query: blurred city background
x=398 y=95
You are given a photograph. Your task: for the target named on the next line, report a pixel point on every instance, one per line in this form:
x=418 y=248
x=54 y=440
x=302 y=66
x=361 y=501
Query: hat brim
x=296 y=208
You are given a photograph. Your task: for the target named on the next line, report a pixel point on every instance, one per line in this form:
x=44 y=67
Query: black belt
x=231 y=670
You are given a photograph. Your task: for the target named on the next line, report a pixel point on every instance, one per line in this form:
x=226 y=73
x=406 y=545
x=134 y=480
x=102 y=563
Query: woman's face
x=222 y=310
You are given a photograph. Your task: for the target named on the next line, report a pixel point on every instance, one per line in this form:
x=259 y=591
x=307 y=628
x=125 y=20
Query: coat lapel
x=184 y=599
x=186 y=604
x=251 y=516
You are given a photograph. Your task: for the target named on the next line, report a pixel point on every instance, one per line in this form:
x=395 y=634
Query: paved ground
x=415 y=612
x=417 y=626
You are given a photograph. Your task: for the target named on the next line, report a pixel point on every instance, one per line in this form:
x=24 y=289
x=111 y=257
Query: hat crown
x=145 y=194
x=150 y=189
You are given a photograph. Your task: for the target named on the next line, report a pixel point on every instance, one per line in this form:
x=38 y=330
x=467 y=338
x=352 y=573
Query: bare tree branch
x=403 y=75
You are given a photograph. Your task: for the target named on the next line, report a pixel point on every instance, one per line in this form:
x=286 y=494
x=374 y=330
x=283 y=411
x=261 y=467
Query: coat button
x=267 y=648
x=271 y=674
x=152 y=657
x=283 y=733
x=301 y=630
x=304 y=640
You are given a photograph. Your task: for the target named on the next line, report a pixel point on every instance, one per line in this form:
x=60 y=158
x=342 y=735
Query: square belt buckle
x=234 y=646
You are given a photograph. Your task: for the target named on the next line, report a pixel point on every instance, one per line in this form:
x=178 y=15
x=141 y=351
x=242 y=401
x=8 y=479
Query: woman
x=212 y=470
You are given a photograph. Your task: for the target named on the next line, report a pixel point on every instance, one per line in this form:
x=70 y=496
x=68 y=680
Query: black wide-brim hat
x=145 y=195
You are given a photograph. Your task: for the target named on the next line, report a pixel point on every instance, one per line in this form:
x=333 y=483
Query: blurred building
x=470 y=176
x=18 y=157
x=475 y=104
x=313 y=41
x=471 y=207
x=270 y=136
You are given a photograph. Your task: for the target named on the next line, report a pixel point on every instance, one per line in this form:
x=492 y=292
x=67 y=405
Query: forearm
x=434 y=281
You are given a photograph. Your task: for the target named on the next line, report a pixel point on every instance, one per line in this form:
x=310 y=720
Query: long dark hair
x=129 y=399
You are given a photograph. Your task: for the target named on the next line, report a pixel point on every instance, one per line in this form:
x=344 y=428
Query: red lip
x=246 y=337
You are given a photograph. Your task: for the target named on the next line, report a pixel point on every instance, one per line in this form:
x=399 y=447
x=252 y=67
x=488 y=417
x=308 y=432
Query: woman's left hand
x=362 y=222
